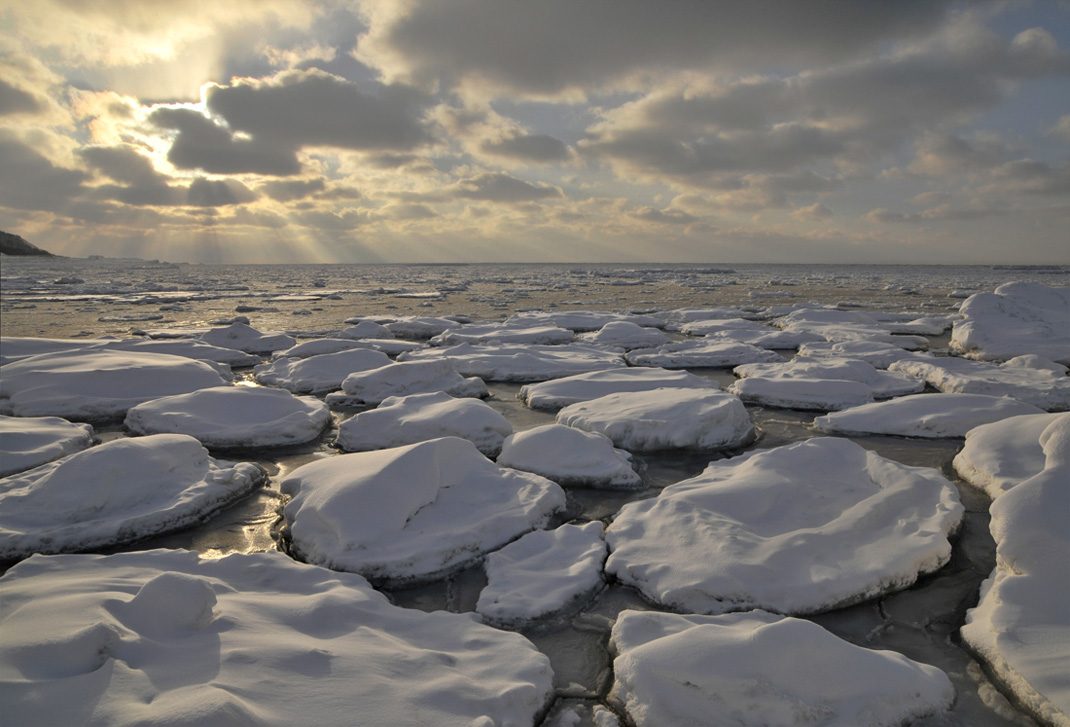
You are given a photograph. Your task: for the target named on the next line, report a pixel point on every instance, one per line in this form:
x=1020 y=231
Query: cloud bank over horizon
x=474 y=130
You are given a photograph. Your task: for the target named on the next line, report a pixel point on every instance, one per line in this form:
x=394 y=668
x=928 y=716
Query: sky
x=289 y=131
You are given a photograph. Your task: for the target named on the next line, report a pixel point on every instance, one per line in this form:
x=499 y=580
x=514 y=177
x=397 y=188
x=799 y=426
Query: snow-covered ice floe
x=643 y=421
x=759 y=669
x=542 y=573
x=1034 y=380
x=625 y=335
x=27 y=442
x=13 y=348
x=419 y=328
x=747 y=331
x=167 y=482
x=1017 y=319
x=925 y=415
x=877 y=354
x=701 y=353
x=244 y=337
x=401 y=420
x=233 y=416
x=577 y=458
x=521 y=364
x=318 y=374
x=998 y=456
x=165 y=637
x=581 y=321
x=369 y=388
x=798 y=529
x=838 y=325
x=1021 y=626
x=503 y=333
x=412 y=513
x=190 y=348
x=98 y=384
x=558 y=393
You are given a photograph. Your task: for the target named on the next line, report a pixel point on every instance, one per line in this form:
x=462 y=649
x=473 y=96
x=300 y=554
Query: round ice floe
x=644 y=421
x=925 y=415
x=244 y=337
x=1018 y=318
x=163 y=637
x=412 y=513
x=521 y=364
x=1039 y=384
x=762 y=669
x=626 y=335
x=702 y=353
x=1000 y=455
x=798 y=529
x=569 y=456
x=368 y=388
x=558 y=393
x=233 y=416
x=97 y=385
x=503 y=333
x=118 y=492
x=542 y=573
x=26 y=442
x=318 y=374
x=401 y=420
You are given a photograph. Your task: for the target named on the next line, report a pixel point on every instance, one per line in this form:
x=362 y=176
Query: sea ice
x=13 y=348
x=190 y=348
x=521 y=364
x=643 y=421
x=581 y=321
x=558 y=393
x=758 y=669
x=542 y=573
x=1038 y=384
x=625 y=335
x=318 y=374
x=367 y=329
x=1018 y=318
x=998 y=456
x=504 y=333
x=401 y=420
x=244 y=337
x=412 y=513
x=233 y=416
x=925 y=415
x=877 y=354
x=27 y=442
x=700 y=353
x=747 y=331
x=369 y=388
x=798 y=529
x=317 y=347
x=837 y=325
x=115 y=493
x=165 y=637
x=570 y=456
x=419 y=328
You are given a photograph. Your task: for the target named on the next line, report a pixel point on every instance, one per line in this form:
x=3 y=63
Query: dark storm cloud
x=30 y=181
x=17 y=101
x=498 y=187
x=533 y=148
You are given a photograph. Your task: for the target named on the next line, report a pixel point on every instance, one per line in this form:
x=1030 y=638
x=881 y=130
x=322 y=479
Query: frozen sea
x=126 y=298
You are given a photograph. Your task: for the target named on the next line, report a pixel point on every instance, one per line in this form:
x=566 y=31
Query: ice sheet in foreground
x=369 y=388
x=798 y=529
x=1031 y=379
x=570 y=457
x=759 y=669
x=521 y=364
x=318 y=374
x=27 y=442
x=115 y=493
x=1000 y=455
x=925 y=415
x=163 y=637
x=559 y=393
x=1017 y=319
x=412 y=513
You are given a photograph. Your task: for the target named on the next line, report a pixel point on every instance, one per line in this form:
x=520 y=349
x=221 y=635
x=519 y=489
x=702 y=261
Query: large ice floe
x=503 y=333
x=644 y=421
x=318 y=374
x=1034 y=380
x=579 y=458
x=998 y=456
x=558 y=393
x=701 y=353
x=1016 y=319
x=233 y=416
x=190 y=348
x=879 y=355
x=625 y=335
x=542 y=573
x=27 y=442
x=401 y=420
x=521 y=364
x=841 y=326
x=115 y=493
x=1021 y=626
x=747 y=331
x=925 y=415
x=164 y=637
x=412 y=513
x=369 y=388
x=244 y=337
x=798 y=529
x=759 y=669
x=98 y=385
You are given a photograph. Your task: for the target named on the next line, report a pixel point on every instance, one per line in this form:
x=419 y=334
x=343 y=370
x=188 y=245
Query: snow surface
x=838 y=325
x=1017 y=319
x=570 y=456
x=233 y=416
x=13 y=348
x=165 y=637
x=199 y=350
x=925 y=415
x=419 y=328
x=542 y=573
x=318 y=374
x=521 y=364
x=1000 y=455
x=115 y=493
x=581 y=321
x=367 y=329
x=317 y=347
x=642 y=421
x=759 y=669
x=401 y=420
x=412 y=513
x=879 y=355
x=747 y=331
x=1039 y=383
x=798 y=529
x=369 y=388
x=701 y=353
x=503 y=333
x=558 y=393
x=27 y=442
x=625 y=335
x=244 y=337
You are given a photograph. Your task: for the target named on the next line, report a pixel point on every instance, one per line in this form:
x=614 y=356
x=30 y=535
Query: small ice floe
x=233 y=416
x=504 y=333
x=802 y=528
x=757 y=668
x=419 y=328
x=99 y=384
x=581 y=321
x=1018 y=318
x=318 y=374
x=701 y=353
x=27 y=442
x=166 y=637
x=558 y=393
x=116 y=493
x=747 y=331
x=644 y=421
x=402 y=420
x=925 y=415
x=1041 y=382
x=877 y=354
x=625 y=335
x=244 y=337
x=543 y=573
x=580 y=459
x=412 y=513
x=921 y=325
x=366 y=329
x=190 y=348
x=521 y=364
x=1020 y=626
x=676 y=319
x=839 y=325
x=369 y=388
x=998 y=456
x=317 y=347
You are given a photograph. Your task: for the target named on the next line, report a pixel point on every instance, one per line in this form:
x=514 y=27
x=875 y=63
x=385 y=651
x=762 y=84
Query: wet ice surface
x=922 y=622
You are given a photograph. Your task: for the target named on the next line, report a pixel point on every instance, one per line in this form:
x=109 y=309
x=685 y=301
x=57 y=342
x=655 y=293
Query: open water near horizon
x=75 y=298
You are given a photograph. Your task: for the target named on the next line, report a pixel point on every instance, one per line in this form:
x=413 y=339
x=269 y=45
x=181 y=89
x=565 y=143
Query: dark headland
x=11 y=244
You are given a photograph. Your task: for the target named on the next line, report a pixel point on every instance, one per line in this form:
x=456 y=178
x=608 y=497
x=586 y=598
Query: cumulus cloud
x=123 y=164
x=290 y=190
x=14 y=100
x=537 y=148
x=204 y=144
x=33 y=182
x=219 y=192
x=502 y=188
x=816 y=211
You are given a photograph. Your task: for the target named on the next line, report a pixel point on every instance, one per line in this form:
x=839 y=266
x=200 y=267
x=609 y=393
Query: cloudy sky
x=557 y=130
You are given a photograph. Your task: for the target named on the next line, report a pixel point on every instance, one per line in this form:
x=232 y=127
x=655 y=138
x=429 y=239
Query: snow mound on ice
x=503 y=333
x=581 y=459
x=1017 y=319
x=318 y=374
x=625 y=335
x=1000 y=455
x=244 y=337
x=369 y=388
